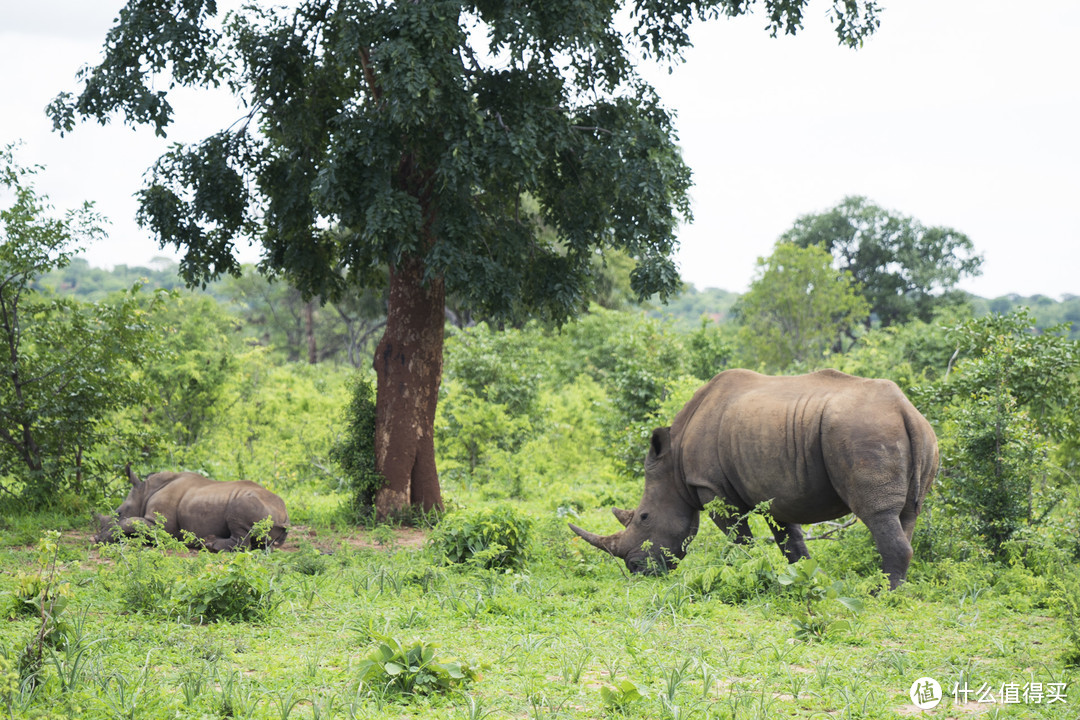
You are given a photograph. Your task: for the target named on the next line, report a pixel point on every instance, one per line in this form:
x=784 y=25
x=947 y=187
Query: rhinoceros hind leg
x=893 y=545
x=789 y=537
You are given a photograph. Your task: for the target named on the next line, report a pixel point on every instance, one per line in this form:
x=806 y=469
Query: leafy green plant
x=814 y=587
x=308 y=560
x=1067 y=602
x=237 y=589
x=397 y=668
x=146 y=573
x=469 y=428
x=619 y=697
x=9 y=683
x=42 y=594
x=492 y=537
x=724 y=569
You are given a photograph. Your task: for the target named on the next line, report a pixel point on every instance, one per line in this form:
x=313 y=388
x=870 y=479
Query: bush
x=238 y=589
x=469 y=430
x=1011 y=398
x=1067 y=602
x=354 y=452
x=494 y=538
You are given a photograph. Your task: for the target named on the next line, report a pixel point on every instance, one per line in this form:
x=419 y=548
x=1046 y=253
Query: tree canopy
x=64 y=366
x=405 y=136
x=905 y=269
x=798 y=307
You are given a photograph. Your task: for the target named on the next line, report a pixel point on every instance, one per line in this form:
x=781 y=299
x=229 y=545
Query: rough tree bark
x=309 y=329
x=408 y=369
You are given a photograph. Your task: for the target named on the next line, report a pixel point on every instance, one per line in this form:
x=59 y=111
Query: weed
x=673 y=679
x=474 y=709
x=1067 y=594
x=308 y=560
x=147 y=577
x=286 y=701
x=620 y=696
x=236 y=699
x=813 y=587
x=133 y=695
x=574 y=666
x=414 y=669
x=9 y=683
x=42 y=594
x=384 y=535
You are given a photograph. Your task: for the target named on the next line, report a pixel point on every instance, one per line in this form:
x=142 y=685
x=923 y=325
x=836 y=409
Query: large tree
x=905 y=269
x=405 y=135
x=65 y=367
x=798 y=307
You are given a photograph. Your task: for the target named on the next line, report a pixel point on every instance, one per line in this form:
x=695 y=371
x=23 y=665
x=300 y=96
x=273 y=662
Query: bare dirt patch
x=400 y=538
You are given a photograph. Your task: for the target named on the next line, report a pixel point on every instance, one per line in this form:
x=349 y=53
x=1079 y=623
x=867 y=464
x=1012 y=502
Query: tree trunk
x=408 y=369
x=309 y=328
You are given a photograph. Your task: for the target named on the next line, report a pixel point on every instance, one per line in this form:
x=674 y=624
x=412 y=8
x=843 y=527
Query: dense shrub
x=490 y=537
x=238 y=588
x=1011 y=394
x=354 y=451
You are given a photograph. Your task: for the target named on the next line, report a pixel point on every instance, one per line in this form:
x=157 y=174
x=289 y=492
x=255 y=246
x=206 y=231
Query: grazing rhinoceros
x=220 y=514
x=817 y=446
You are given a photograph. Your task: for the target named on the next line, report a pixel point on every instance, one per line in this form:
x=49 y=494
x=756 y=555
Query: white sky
x=964 y=113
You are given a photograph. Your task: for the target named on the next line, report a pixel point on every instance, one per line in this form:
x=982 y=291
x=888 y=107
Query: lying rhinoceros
x=220 y=514
x=817 y=446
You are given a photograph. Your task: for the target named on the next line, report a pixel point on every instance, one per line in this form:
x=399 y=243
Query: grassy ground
x=568 y=636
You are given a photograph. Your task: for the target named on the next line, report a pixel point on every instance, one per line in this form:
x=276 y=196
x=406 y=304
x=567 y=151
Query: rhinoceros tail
x=924 y=457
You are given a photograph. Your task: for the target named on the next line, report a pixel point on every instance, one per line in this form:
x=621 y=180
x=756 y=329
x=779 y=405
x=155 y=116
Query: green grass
x=547 y=640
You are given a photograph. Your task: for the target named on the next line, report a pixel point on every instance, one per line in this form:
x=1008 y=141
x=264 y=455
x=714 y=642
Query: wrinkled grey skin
x=220 y=514
x=817 y=446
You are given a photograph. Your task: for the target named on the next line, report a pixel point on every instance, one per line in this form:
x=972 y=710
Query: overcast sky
x=963 y=113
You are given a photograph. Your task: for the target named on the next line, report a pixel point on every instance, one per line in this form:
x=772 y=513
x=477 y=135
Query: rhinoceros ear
x=624 y=516
x=661 y=441
x=132 y=477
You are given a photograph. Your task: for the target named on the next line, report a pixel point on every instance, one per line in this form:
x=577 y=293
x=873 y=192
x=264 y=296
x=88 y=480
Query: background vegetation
x=496 y=609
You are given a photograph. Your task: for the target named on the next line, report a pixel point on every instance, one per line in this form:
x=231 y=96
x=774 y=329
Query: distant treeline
x=89 y=283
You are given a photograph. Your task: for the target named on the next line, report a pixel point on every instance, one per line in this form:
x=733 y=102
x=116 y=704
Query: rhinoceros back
x=208 y=507
x=818 y=445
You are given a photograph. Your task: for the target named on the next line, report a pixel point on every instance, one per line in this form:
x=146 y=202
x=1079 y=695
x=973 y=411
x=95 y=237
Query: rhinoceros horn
x=624 y=516
x=610 y=543
x=132 y=477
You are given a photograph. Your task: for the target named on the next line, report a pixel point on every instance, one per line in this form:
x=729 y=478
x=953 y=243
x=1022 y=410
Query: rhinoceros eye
x=644 y=516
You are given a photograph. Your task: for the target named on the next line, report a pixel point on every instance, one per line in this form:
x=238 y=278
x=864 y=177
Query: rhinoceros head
x=133 y=506
x=135 y=502
x=108 y=528
x=655 y=534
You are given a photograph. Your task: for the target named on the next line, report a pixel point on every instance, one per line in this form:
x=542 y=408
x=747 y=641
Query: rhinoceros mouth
x=647 y=564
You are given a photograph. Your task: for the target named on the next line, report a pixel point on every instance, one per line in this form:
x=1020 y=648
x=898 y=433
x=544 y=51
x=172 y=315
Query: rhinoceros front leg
x=733 y=523
x=213 y=543
x=136 y=525
x=789 y=537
